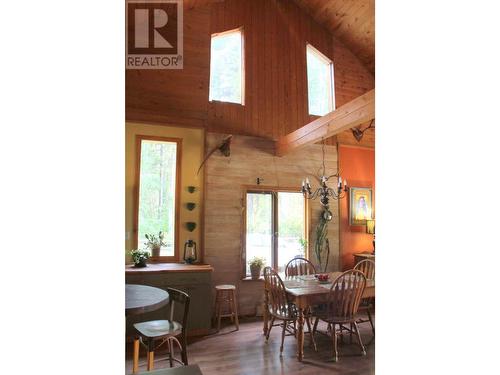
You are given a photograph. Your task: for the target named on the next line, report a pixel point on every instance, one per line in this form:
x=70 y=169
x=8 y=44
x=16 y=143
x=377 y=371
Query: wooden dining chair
x=299 y=266
x=166 y=331
x=280 y=307
x=367 y=266
x=342 y=306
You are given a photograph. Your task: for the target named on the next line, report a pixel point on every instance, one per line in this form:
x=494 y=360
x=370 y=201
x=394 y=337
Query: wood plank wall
x=253 y=157
x=175 y=97
x=276 y=32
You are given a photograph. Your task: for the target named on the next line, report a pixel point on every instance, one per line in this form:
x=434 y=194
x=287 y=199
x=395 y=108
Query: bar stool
x=225 y=304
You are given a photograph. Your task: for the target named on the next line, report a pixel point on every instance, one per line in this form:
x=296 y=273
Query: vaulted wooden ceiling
x=351 y=21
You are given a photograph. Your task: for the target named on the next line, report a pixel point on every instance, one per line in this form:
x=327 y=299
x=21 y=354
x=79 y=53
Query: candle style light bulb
x=307 y=181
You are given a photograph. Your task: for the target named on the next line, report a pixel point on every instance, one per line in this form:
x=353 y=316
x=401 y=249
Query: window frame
x=275 y=222
x=323 y=57
x=242 y=34
x=178 y=163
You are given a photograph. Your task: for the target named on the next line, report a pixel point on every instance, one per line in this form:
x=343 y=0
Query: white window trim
x=242 y=94
x=331 y=99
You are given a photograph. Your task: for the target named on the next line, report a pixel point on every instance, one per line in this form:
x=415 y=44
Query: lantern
x=190 y=254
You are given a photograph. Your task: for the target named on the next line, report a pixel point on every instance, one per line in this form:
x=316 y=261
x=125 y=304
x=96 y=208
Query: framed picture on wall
x=360 y=205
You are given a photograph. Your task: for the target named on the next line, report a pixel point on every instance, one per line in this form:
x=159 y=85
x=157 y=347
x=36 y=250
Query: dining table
x=306 y=291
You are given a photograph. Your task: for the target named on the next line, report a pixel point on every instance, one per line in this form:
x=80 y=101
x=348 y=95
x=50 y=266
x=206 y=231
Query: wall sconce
x=358 y=133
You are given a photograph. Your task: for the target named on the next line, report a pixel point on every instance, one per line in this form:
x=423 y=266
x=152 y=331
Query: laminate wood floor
x=245 y=352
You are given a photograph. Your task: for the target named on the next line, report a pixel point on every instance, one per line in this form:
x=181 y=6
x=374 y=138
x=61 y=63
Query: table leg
x=300 y=334
x=265 y=313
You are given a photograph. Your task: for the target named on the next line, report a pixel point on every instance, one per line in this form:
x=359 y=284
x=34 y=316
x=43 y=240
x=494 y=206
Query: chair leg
x=315 y=325
x=235 y=311
x=283 y=337
x=151 y=361
x=184 y=355
x=171 y=352
x=219 y=313
x=151 y=356
x=135 y=367
x=371 y=322
x=229 y=304
x=270 y=327
x=363 y=351
x=313 y=342
x=334 y=338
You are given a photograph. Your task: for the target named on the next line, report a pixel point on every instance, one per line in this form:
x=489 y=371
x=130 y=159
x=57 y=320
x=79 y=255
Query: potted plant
x=139 y=257
x=256 y=264
x=155 y=243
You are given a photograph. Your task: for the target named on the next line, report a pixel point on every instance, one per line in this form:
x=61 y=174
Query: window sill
x=249 y=278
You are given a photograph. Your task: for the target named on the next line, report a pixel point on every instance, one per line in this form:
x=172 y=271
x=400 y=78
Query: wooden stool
x=225 y=298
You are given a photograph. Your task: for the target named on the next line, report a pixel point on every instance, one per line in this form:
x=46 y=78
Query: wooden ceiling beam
x=354 y=113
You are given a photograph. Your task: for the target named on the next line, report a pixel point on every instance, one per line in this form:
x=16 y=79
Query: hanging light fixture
x=324 y=192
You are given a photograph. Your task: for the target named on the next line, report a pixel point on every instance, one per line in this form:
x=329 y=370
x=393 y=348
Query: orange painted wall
x=357 y=165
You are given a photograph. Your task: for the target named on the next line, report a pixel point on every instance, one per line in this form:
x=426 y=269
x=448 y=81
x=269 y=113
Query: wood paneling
x=276 y=32
x=352 y=21
x=352 y=79
x=226 y=179
x=175 y=96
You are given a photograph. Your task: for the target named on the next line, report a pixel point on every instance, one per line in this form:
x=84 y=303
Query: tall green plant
x=322 y=244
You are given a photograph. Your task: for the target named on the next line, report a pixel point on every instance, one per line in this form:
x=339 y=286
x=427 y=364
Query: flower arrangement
x=139 y=257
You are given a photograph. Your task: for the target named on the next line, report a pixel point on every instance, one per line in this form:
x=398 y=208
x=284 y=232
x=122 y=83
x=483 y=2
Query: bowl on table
x=323 y=278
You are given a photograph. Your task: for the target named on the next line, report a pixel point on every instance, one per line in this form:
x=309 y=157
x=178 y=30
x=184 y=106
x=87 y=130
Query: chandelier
x=324 y=192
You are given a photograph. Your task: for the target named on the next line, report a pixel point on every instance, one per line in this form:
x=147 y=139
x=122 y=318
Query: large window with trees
x=227 y=67
x=320 y=91
x=275 y=227
x=157 y=195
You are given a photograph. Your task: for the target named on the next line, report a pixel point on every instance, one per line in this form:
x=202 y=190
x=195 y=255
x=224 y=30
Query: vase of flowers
x=155 y=243
x=256 y=264
x=139 y=257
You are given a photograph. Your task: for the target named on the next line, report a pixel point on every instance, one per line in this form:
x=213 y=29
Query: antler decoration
x=224 y=148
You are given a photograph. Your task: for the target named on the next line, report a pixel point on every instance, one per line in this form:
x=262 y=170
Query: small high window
x=319 y=82
x=226 y=67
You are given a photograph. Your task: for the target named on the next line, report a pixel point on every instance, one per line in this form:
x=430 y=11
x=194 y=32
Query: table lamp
x=370 y=229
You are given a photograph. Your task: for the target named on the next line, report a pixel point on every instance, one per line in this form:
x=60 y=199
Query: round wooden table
x=140 y=299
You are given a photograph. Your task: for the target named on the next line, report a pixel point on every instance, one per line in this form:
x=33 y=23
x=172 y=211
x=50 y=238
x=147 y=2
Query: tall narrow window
x=157 y=201
x=275 y=227
x=226 y=67
x=319 y=82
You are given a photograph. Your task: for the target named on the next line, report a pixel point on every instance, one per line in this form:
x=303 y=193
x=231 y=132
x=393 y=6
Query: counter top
x=168 y=267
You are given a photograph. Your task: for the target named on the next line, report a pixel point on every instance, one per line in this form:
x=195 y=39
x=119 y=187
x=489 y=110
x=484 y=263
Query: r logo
x=154 y=34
